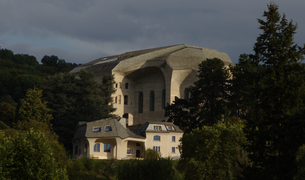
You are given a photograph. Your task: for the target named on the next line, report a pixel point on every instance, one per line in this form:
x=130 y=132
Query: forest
x=245 y=121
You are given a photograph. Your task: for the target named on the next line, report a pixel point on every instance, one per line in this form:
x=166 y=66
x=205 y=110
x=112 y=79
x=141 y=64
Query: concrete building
x=109 y=138
x=147 y=80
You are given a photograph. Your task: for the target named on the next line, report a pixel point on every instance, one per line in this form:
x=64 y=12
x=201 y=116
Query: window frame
x=157 y=148
x=96 y=147
x=157 y=138
x=173 y=138
x=107 y=147
x=125 y=99
x=157 y=128
x=173 y=149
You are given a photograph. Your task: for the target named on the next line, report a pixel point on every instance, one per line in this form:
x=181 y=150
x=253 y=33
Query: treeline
x=19 y=72
x=247 y=121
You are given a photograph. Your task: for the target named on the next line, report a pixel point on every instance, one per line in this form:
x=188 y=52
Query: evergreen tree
x=207 y=103
x=73 y=98
x=275 y=121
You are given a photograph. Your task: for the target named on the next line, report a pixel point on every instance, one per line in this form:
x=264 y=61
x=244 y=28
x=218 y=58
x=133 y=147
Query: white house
x=109 y=138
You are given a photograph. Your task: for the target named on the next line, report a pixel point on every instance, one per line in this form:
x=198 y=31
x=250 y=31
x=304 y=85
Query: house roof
x=86 y=129
x=177 y=57
x=144 y=128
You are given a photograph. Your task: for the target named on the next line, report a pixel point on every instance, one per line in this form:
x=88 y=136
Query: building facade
x=110 y=138
x=147 y=80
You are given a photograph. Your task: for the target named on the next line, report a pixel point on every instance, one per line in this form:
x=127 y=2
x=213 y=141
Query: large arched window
x=152 y=101
x=163 y=98
x=157 y=138
x=140 y=102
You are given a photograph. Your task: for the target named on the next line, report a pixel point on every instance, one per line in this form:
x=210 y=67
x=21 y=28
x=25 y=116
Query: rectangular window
x=140 y=102
x=119 y=99
x=126 y=99
x=116 y=85
x=106 y=147
x=157 y=128
x=157 y=138
x=173 y=149
x=107 y=128
x=96 y=147
x=170 y=128
x=174 y=138
x=129 y=151
x=163 y=98
x=116 y=99
x=126 y=85
x=96 y=129
x=157 y=148
x=152 y=101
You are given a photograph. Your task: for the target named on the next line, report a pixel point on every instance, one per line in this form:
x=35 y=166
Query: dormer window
x=97 y=129
x=170 y=128
x=157 y=128
x=107 y=128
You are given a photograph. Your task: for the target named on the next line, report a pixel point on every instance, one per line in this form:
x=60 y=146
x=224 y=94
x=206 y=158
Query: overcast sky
x=80 y=31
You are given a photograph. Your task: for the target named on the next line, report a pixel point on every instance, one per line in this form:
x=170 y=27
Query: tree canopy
x=207 y=103
x=73 y=98
x=276 y=89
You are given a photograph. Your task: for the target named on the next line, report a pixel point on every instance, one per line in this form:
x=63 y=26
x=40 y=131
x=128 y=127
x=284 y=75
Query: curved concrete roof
x=177 y=57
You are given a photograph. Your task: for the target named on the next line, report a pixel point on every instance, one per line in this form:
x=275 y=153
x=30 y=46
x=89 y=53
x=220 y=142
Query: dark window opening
x=163 y=98
x=152 y=101
x=126 y=99
x=140 y=103
x=126 y=85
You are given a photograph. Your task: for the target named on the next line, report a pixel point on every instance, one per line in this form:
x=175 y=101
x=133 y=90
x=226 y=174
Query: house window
x=157 y=138
x=96 y=147
x=173 y=138
x=96 y=129
x=156 y=148
x=86 y=147
x=140 y=103
x=129 y=151
x=152 y=101
x=125 y=99
x=170 y=128
x=116 y=85
x=138 y=144
x=126 y=85
x=163 y=98
x=106 y=147
x=108 y=128
x=116 y=99
x=157 y=128
x=173 y=149
x=119 y=99
x=186 y=94
x=75 y=150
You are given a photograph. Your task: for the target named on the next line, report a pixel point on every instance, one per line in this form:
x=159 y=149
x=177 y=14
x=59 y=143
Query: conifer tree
x=207 y=103
x=275 y=121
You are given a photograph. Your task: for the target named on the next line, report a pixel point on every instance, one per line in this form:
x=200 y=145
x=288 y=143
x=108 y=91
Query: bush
x=28 y=156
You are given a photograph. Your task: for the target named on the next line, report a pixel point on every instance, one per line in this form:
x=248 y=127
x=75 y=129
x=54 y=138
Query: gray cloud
x=80 y=31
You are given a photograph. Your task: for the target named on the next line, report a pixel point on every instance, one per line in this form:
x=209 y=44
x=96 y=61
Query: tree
x=75 y=98
x=27 y=156
x=215 y=152
x=32 y=108
x=276 y=119
x=207 y=103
